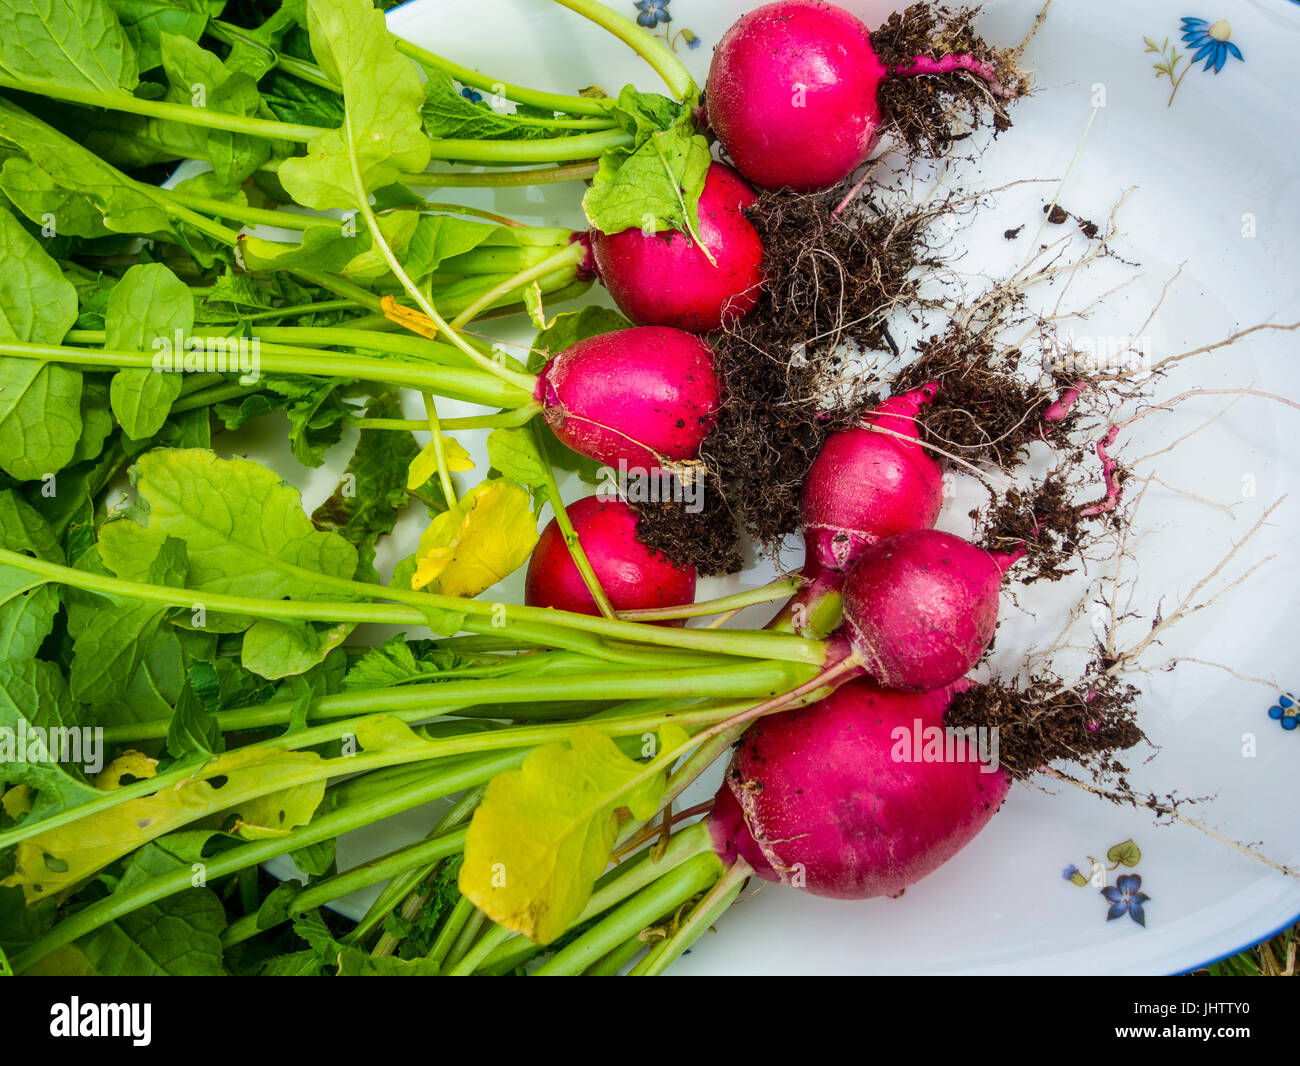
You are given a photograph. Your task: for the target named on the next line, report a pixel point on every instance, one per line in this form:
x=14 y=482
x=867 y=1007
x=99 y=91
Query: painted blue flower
x=1126 y=898
x=471 y=95
x=1285 y=712
x=653 y=12
x=693 y=42
x=1069 y=871
x=1211 y=42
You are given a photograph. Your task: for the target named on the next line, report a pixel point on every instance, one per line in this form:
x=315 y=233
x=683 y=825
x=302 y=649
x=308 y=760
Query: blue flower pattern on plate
x=1211 y=41
x=1125 y=897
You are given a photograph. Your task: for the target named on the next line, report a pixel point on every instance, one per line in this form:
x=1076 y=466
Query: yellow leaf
x=425 y=465
x=17 y=801
x=129 y=764
x=236 y=782
x=415 y=321
x=491 y=537
x=544 y=832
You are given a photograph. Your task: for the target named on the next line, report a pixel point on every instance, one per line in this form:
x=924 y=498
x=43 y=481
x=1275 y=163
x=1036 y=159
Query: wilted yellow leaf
x=425 y=465
x=129 y=764
x=491 y=537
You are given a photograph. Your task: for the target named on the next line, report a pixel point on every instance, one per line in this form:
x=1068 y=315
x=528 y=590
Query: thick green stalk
x=509 y=420
x=778 y=590
x=544 y=150
x=487 y=943
x=450 y=930
x=465 y=940
x=646 y=45
x=445 y=179
x=574 y=105
x=714 y=904
x=652 y=903
x=614 y=962
x=325 y=827
x=457 y=383
x=544 y=623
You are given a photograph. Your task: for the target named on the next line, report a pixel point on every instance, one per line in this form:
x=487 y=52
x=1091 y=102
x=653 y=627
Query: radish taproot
x=666 y=279
x=793 y=93
x=820 y=797
x=869 y=482
x=633 y=576
x=645 y=397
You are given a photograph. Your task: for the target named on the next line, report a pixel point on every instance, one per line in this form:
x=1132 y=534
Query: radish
x=666 y=279
x=819 y=798
x=920 y=608
x=792 y=93
x=642 y=398
x=633 y=576
x=866 y=485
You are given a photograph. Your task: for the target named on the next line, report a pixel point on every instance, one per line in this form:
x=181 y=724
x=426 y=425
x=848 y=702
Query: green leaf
x=111 y=646
x=193 y=733
x=1125 y=854
x=77 y=42
x=395 y=663
x=125 y=207
x=316 y=409
x=514 y=453
x=34 y=696
x=47 y=203
x=573 y=326
x=544 y=832
x=329 y=248
x=372 y=493
x=27 y=605
x=148 y=306
x=145 y=21
x=381 y=137
x=179 y=936
x=243 y=528
x=448 y=114
x=274 y=648
x=440 y=237
x=655 y=184
x=40 y=403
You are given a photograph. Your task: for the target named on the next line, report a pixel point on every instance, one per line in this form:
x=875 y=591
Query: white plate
x=1213 y=174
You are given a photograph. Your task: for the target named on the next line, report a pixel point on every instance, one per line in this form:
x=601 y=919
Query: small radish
x=633 y=576
x=644 y=397
x=866 y=485
x=665 y=279
x=819 y=798
x=792 y=93
x=920 y=608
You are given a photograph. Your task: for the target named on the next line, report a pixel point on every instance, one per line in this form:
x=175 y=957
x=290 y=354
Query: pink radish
x=665 y=279
x=633 y=576
x=866 y=485
x=644 y=397
x=819 y=797
x=920 y=608
x=792 y=93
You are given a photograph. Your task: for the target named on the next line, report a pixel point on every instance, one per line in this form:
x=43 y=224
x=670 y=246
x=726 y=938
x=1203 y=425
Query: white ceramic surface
x=1203 y=170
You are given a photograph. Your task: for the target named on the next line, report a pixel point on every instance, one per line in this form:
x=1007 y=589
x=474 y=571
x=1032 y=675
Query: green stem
x=299 y=68
x=410 y=608
x=471 y=929
x=572 y=256
x=216 y=394
x=457 y=383
x=565 y=524
x=450 y=930
x=649 y=905
x=443 y=179
x=162 y=109
x=323 y=828
x=543 y=150
x=353 y=880
x=509 y=420
x=527 y=382
x=646 y=45
x=487 y=944
x=449 y=493
x=778 y=590
x=574 y=105
x=612 y=963
x=715 y=902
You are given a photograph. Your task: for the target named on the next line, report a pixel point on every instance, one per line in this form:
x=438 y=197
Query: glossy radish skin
x=665 y=279
x=866 y=485
x=920 y=608
x=645 y=397
x=633 y=576
x=818 y=797
x=792 y=94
